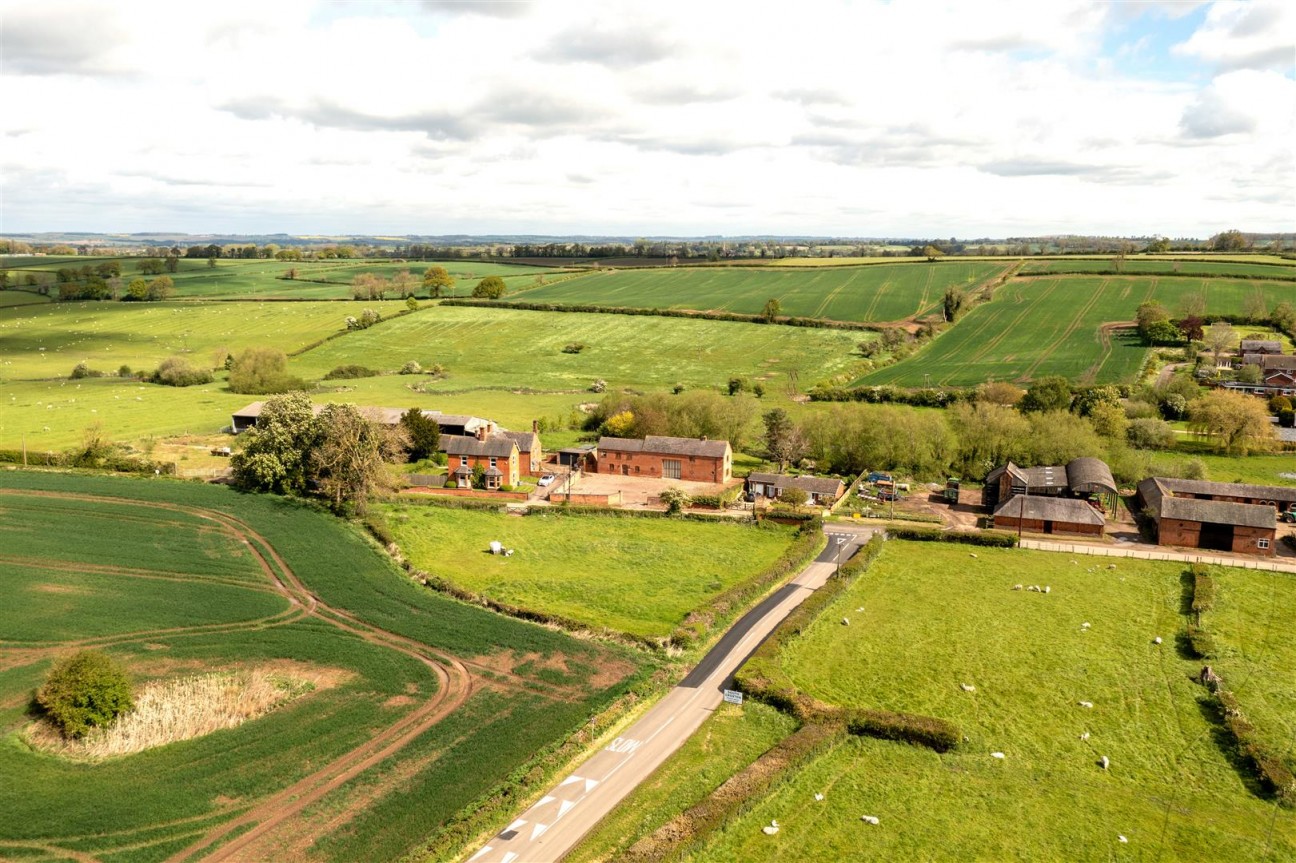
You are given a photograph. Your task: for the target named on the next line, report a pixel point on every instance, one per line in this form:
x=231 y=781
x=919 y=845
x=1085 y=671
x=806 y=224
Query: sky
x=862 y=119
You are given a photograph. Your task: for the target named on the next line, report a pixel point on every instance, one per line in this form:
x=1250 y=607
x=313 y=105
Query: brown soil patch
x=399 y=701
x=59 y=589
x=609 y=673
x=152 y=645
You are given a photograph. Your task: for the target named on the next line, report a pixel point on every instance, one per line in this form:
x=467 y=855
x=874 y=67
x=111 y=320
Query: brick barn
x=1221 y=516
x=682 y=458
x=1048 y=515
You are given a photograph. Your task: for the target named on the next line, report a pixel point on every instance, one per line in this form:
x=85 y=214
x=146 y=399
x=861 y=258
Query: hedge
x=920 y=730
x=718 y=501
x=1201 y=641
x=594 y=308
x=1203 y=590
x=990 y=538
x=1274 y=775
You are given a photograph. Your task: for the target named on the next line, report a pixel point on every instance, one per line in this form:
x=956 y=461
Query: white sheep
x=1017 y=587
x=870 y=819
x=998 y=755
x=967 y=687
x=1087 y=704
x=1122 y=838
x=845 y=621
x=1156 y=640
x=1084 y=625
x=818 y=796
x=971 y=554
x=1113 y=566
x=1047 y=588
x=1084 y=736
x=1104 y=761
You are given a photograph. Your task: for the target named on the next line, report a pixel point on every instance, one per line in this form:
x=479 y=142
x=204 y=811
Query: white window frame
x=1262 y=543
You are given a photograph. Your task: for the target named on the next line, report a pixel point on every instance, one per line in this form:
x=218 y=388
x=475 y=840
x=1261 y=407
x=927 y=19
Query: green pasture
x=927 y=618
x=732 y=738
x=47 y=341
x=519 y=350
x=1257 y=468
x=21 y=298
x=1052 y=326
x=635 y=575
x=889 y=292
x=151 y=805
x=1137 y=265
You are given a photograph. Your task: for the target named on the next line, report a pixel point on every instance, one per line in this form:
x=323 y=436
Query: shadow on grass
x=1213 y=712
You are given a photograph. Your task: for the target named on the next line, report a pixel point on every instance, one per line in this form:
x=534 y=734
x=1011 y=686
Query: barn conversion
x=821 y=491
x=1223 y=516
x=691 y=459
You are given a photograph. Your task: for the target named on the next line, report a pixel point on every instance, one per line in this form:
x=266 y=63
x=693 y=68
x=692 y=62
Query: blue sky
x=552 y=116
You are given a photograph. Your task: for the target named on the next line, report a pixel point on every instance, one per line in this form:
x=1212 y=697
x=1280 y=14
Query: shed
x=1049 y=515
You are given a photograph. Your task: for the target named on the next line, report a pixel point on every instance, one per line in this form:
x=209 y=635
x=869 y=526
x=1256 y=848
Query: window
x=1262 y=543
x=463 y=461
x=493 y=462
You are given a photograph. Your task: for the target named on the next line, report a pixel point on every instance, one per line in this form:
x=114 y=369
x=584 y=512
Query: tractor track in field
x=455 y=684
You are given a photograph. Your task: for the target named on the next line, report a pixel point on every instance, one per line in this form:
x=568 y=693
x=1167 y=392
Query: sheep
x=1084 y=625
x=1156 y=640
x=1088 y=705
x=1104 y=762
x=1047 y=588
x=971 y=554
x=1017 y=587
x=818 y=796
x=845 y=621
x=967 y=687
x=998 y=755
x=1122 y=838
x=1084 y=736
x=870 y=819
x=1111 y=566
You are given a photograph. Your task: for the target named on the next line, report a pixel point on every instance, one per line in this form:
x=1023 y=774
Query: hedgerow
x=1268 y=767
x=989 y=538
x=594 y=308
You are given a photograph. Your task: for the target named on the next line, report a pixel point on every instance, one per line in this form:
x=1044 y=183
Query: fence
x=1106 y=551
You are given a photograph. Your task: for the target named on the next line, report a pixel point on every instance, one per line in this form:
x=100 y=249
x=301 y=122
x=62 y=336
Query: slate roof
x=1272 y=362
x=1056 y=509
x=1260 y=346
x=386 y=416
x=1226 y=489
x=811 y=484
x=526 y=441
x=663 y=445
x=497 y=445
x=1159 y=494
x=1218 y=512
x=1081 y=476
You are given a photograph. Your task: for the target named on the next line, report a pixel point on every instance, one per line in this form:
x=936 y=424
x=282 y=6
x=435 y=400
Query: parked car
x=547 y=479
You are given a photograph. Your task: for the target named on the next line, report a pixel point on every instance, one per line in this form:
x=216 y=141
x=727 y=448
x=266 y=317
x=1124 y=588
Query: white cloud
x=1257 y=34
x=845 y=118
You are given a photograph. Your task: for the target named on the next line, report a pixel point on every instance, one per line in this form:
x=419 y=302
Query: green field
x=635 y=575
x=1135 y=266
x=518 y=350
x=170 y=592
x=927 y=618
x=868 y=293
x=1053 y=326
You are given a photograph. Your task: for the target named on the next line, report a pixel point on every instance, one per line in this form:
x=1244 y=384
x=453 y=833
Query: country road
x=562 y=817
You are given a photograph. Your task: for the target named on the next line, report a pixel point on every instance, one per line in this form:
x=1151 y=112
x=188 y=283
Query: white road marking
x=624 y=744
x=538 y=830
x=482 y=853
x=589 y=785
x=565 y=807
x=509 y=857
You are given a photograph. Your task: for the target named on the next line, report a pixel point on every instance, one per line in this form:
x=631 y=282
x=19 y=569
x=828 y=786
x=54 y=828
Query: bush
x=1273 y=774
x=411 y=368
x=81 y=370
x=87 y=690
x=176 y=372
x=1203 y=589
x=574 y=348
x=1201 y=642
x=261 y=371
x=350 y=372
x=990 y=538
x=912 y=728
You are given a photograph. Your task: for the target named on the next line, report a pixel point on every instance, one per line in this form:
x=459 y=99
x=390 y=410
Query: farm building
x=530 y=453
x=497 y=454
x=1223 y=516
x=450 y=424
x=692 y=459
x=576 y=457
x=1079 y=478
x=1259 y=346
x=1048 y=515
x=821 y=491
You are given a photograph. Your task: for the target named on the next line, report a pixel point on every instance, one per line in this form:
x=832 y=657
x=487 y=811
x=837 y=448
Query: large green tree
x=436 y=280
x=275 y=453
x=784 y=442
x=86 y=690
x=1239 y=423
x=491 y=288
x=349 y=464
x=1049 y=393
x=262 y=370
x=424 y=434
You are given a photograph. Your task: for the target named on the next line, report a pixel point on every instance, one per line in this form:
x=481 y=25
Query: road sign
x=733 y=696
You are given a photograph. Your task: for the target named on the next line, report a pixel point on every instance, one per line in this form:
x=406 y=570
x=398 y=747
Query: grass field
x=1135 y=266
x=1258 y=469
x=927 y=618
x=1053 y=326
x=509 y=349
x=148 y=806
x=46 y=341
x=639 y=576
x=867 y=293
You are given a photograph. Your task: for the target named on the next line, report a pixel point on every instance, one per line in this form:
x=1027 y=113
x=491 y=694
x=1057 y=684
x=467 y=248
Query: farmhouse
x=1079 y=478
x=1223 y=516
x=692 y=459
x=821 y=491
x=497 y=454
x=1048 y=515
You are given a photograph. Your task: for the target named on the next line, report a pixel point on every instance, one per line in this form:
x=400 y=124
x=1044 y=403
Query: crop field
x=639 y=576
x=868 y=293
x=47 y=341
x=509 y=349
x=1055 y=326
x=183 y=579
x=1135 y=266
x=928 y=618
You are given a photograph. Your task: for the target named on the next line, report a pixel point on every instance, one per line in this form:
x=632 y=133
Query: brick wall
x=1187 y=534
x=692 y=468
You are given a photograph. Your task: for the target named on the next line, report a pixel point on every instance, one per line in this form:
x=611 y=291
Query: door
x=671 y=468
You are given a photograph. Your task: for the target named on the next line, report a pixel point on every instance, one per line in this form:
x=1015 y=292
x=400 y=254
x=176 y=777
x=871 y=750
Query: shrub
x=176 y=372
x=124 y=371
x=574 y=348
x=912 y=728
x=261 y=371
x=86 y=690
x=990 y=538
x=350 y=372
x=1203 y=589
x=675 y=499
x=81 y=370
x=412 y=368
x=1200 y=641
x=491 y=288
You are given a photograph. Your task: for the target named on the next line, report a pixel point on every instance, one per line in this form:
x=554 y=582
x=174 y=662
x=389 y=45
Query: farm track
x=454 y=685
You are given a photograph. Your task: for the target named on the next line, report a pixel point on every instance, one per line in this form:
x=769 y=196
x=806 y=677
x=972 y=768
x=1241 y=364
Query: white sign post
x=733 y=696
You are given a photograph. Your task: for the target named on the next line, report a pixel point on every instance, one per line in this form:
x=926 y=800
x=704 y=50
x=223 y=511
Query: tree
x=88 y=689
x=784 y=442
x=1250 y=374
x=1151 y=314
x=436 y=280
x=1283 y=317
x=491 y=288
x=1221 y=337
x=1192 y=305
x=1238 y=422
x=177 y=372
x=933 y=253
x=172 y=263
x=1089 y=399
x=368 y=286
x=275 y=452
x=403 y=283
x=794 y=497
x=1253 y=307
x=1150 y=433
x=773 y=308
x=137 y=290
x=161 y=288
x=954 y=301
x=1050 y=393
x=675 y=499
x=620 y=424
x=349 y=465
x=1191 y=327
x=478 y=476
x=1109 y=420
x=424 y=434
x=737 y=385
x=988 y=435
x=150 y=266
x=1230 y=241
x=262 y=370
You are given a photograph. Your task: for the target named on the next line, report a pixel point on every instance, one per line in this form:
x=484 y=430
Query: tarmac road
x=553 y=826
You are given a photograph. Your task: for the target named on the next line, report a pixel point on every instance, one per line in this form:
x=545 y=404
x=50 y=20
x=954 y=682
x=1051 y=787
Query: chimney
x=535 y=426
x=481 y=432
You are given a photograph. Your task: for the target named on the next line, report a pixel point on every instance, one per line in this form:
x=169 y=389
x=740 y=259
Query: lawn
x=1053 y=326
x=519 y=350
x=1257 y=469
x=878 y=292
x=148 y=806
x=635 y=575
x=928 y=618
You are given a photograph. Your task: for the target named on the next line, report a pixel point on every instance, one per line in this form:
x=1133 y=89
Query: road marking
x=538 y=831
x=624 y=744
x=565 y=807
x=482 y=853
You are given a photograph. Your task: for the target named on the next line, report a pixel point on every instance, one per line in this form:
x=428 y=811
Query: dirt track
x=454 y=685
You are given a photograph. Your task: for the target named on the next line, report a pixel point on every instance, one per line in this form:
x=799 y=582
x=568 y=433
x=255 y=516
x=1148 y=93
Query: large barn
x=1222 y=516
x=683 y=458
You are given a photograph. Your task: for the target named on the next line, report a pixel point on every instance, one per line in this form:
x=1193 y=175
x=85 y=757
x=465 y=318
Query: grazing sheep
x=1047 y=588
x=1156 y=640
x=845 y=621
x=971 y=554
x=818 y=796
x=1104 y=762
x=967 y=687
x=998 y=755
x=1087 y=704
x=1017 y=587
x=870 y=819
x=769 y=830
x=1112 y=566
x=1084 y=625
x=1121 y=838
x=1084 y=736
x=1076 y=562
